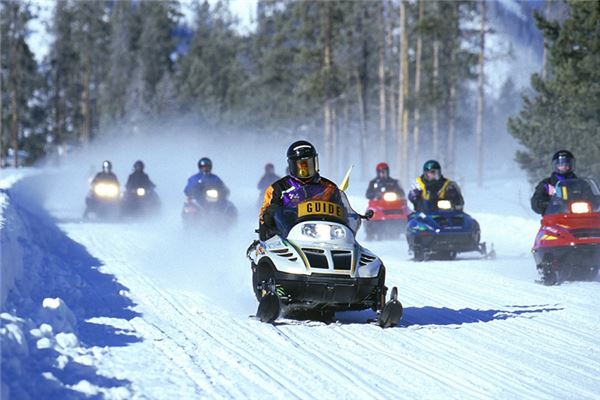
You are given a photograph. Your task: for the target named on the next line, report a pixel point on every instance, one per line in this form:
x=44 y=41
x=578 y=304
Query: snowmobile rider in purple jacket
x=138 y=178
x=204 y=178
x=563 y=168
x=303 y=183
x=432 y=186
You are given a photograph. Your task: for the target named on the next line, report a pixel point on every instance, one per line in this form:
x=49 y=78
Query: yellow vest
x=426 y=195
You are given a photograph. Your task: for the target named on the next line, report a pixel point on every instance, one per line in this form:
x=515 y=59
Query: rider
x=269 y=177
x=432 y=186
x=106 y=174
x=196 y=183
x=303 y=183
x=138 y=178
x=383 y=183
x=563 y=167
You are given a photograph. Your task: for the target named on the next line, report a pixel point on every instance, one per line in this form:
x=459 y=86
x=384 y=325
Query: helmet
x=205 y=164
x=138 y=166
x=106 y=166
x=563 y=162
x=303 y=160
x=269 y=168
x=383 y=170
x=432 y=170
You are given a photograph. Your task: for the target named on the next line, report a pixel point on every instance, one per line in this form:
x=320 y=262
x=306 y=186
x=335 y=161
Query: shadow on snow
x=56 y=266
x=443 y=316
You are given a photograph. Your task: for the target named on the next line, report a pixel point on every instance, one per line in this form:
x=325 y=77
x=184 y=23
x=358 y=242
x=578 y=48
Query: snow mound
x=51 y=289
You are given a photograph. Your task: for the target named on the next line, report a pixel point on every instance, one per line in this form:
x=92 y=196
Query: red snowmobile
x=567 y=246
x=390 y=213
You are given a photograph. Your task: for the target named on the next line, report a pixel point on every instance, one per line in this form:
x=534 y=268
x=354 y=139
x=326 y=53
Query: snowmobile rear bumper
x=337 y=292
x=444 y=242
x=582 y=255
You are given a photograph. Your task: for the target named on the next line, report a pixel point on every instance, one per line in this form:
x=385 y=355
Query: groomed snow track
x=472 y=328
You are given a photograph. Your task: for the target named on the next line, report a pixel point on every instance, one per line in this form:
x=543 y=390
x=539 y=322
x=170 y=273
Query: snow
x=146 y=310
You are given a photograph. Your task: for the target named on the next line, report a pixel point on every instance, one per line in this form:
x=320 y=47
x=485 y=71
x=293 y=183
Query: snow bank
x=50 y=290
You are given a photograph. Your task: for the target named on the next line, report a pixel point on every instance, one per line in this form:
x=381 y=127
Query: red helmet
x=383 y=170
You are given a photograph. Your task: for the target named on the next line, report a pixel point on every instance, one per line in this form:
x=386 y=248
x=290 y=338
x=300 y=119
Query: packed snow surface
x=146 y=310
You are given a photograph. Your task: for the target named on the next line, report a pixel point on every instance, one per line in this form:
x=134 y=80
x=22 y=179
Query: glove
x=415 y=193
x=269 y=216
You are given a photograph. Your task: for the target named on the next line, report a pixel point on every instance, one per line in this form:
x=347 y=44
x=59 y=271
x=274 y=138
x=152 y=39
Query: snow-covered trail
x=472 y=328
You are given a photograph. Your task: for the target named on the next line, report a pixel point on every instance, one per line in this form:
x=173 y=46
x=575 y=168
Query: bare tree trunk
x=481 y=95
x=327 y=112
x=382 y=96
x=451 y=145
x=417 y=116
x=393 y=126
x=363 y=126
x=547 y=10
x=403 y=89
x=334 y=140
x=85 y=105
x=15 y=125
x=435 y=109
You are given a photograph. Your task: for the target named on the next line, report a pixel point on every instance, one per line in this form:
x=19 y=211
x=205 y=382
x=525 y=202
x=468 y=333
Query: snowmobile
x=442 y=232
x=567 y=245
x=315 y=266
x=209 y=208
x=139 y=202
x=103 y=201
x=390 y=214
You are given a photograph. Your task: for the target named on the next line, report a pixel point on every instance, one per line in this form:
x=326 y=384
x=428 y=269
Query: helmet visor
x=383 y=173
x=563 y=165
x=432 y=174
x=304 y=168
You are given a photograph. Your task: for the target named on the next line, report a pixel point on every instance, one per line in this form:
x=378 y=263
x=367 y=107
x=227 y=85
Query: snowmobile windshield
x=572 y=195
x=316 y=210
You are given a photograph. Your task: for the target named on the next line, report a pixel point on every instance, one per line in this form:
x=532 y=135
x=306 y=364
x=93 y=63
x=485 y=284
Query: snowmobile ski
x=269 y=306
x=392 y=311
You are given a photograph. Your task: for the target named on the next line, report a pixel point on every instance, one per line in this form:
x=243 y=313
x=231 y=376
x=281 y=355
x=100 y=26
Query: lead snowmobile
x=315 y=265
x=567 y=246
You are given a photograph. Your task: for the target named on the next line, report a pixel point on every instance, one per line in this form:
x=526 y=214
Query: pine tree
x=565 y=112
x=19 y=78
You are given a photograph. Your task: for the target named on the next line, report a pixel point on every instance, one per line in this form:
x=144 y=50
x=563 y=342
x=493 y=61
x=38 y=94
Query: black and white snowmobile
x=315 y=266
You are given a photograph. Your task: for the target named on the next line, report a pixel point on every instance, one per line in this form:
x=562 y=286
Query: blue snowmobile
x=442 y=232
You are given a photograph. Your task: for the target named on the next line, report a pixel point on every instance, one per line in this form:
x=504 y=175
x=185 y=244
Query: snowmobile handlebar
x=368 y=215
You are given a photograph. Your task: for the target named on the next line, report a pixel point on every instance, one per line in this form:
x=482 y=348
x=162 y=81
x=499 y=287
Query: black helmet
x=138 y=166
x=106 y=166
x=303 y=160
x=432 y=170
x=269 y=168
x=563 y=162
x=205 y=164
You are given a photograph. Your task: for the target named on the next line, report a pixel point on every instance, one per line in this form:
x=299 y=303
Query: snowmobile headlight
x=390 y=196
x=444 y=204
x=310 y=230
x=106 y=190
x=140 y=191
x=581 y=207
x=338 y=233
x=212 y=194
x=323 y=232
